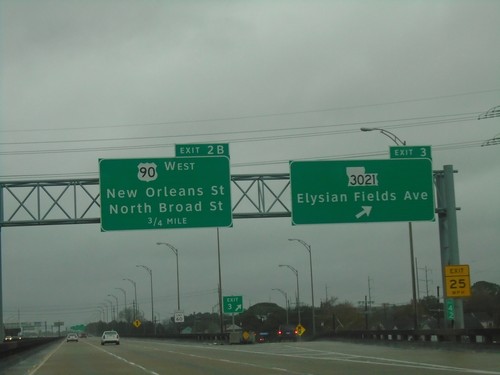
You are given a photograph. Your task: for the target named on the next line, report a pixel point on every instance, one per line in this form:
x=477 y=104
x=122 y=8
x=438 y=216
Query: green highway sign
x=154 y=193
x=232 y=304
x=410 y=152
x=202 y=149
x=450 y=309
x=358 y=191
x=78 y=327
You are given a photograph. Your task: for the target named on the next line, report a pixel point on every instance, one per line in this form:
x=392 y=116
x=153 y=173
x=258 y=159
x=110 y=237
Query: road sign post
x=361 y=191
x=182 y=192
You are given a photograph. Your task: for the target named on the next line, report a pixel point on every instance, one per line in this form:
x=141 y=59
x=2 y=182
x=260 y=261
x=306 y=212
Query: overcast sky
x=278 y=81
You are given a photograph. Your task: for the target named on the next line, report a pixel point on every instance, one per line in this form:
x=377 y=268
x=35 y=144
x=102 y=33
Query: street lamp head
x=173 y=248
x=146 y=268
x=306 y=245
x=388 y=134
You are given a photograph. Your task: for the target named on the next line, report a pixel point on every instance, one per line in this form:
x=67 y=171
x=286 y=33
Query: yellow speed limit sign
x=457 y=279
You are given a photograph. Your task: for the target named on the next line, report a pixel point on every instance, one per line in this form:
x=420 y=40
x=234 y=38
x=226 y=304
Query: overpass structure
x=78 y=201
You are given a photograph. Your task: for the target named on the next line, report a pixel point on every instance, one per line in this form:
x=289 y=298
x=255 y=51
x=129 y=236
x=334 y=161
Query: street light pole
x=294 y=270
x=116 y=298
x=111 y=305
x=308 y=248
x=124 y=301
x=101 y=312
x=150 y=271
x=135 y=297
x=176 y=252
x=286 y=302
x=400 y=142
x=104 y=307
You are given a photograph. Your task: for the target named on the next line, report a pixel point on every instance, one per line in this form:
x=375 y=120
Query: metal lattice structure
x=77 y=201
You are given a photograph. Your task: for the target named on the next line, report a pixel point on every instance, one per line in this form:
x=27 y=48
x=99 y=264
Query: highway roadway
x=138 y=356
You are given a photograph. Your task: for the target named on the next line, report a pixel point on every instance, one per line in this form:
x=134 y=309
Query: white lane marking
x=344 y=357
x=46 y=358
x=126 y=360
x=239 y=363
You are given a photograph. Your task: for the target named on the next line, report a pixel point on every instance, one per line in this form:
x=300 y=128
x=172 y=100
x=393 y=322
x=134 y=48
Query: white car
x=110 y=337
x=72 y=337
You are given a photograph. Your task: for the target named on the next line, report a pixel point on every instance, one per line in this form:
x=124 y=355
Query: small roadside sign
x=300 y=329
x=457 y=280
x=137 y=323
x=232 y=304
x=450 y=309
x=179 y=317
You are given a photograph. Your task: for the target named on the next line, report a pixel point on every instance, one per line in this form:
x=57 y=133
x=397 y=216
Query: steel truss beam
x=59 y=202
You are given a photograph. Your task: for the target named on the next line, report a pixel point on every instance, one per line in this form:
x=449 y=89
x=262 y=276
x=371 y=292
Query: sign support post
x=448 y=238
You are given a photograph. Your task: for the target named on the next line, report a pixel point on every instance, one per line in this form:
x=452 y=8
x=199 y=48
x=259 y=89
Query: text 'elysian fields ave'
x=361 y=191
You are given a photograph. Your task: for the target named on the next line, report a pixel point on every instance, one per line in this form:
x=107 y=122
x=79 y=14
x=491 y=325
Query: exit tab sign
x=154 y=193
x=202 y=149
x=410 y=152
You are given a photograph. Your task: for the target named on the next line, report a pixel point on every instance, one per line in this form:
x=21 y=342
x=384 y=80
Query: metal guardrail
x=17 y=346
x=465 y=336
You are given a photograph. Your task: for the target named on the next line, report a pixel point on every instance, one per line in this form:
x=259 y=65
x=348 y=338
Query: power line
x=437 y=148
x=431 y=120
x=261 y=115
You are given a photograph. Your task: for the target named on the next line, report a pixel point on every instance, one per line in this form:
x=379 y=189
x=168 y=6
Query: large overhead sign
x=357 y=191
x=152 y=193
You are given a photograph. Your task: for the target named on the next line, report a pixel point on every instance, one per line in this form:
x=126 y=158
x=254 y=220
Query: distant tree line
x=481 y=310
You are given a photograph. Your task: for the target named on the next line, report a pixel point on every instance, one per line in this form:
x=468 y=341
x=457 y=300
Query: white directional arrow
x=365 y=211
x=238 y=308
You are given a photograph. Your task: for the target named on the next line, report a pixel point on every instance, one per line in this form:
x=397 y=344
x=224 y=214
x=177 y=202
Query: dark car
x=262 y=337
x=287 y=332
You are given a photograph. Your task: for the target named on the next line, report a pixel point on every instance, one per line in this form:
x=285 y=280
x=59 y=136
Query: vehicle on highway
x=82 y=335
x=287 y=332
x=262 y=337
x=72 y=337
x=110 y=337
